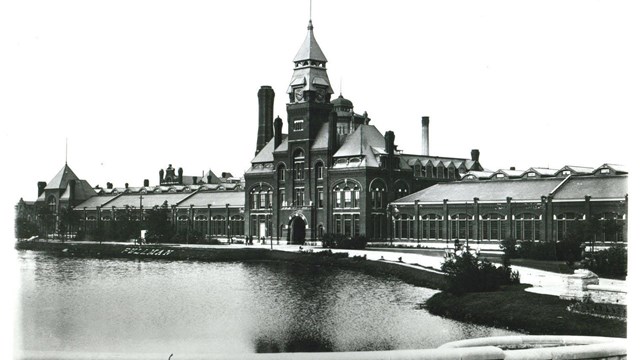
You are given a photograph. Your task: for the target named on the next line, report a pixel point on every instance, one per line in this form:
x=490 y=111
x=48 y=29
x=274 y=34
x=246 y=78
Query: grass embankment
x=515 y=309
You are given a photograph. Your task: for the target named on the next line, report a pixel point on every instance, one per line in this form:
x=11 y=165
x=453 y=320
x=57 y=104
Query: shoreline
x=414 y=275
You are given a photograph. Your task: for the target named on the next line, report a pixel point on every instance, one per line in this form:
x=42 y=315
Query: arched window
x=400 y=189
x=461 y=226
x=298 y=165
x=319 y=170
x=218 y=225
x=432 y=227
x=200 y=224
x=237 y=225
x=52 y=204
x=261 y=197
x=281 y=173
x=610 y=227
x=565 y=224
x=378 y=189
x=404 y=227
x=494 y=226
x=527 y=226
x=346 y=195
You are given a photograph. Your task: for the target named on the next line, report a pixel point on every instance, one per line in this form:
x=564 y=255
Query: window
x=566 y=172
x=52 y=204
x=401 y=189
x=432 y=226
x=319 y=197
x=605 y=171
x=298 y=125
x=499 y=176
x=282 y=170
x=338 y=200
x=298 y=165
x=377 y=190
x=494 y=227
x=347 y=195
x=299 y=197
x=527 y=227
x=531 y=174
x=319 y=171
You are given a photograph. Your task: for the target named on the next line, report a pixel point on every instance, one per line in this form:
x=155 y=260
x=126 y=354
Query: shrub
x=610 y=262
x=339 y=241
x=467 y=273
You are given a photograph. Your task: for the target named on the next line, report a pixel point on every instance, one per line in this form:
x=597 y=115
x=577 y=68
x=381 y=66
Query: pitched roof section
x=215 y=199
x=82 y=190
x=148 y=200
x=361 y=143
x=266 y=154
x=95 y=201
x=62 y=178
x=518 y=190
x=598 y=187
x=310 y=50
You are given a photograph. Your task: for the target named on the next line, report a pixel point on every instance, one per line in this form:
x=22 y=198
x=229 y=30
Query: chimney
x=425 y=135
x=180 y=176
x=109 y=185
x=389 y=146
x=146 y=182
x=512 y=168
x=161 y=176
x=41 y=186
x=333 y=133
x=475 y=155
x=72 y=192
x=277 y=135
x=194 y=180
x=126 y=185
x=265 y=116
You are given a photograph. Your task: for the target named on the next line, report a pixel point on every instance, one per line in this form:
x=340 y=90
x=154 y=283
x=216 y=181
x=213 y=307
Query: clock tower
x=309 y=92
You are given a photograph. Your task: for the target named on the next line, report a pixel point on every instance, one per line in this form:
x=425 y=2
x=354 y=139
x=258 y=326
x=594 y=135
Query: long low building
x=525 y=207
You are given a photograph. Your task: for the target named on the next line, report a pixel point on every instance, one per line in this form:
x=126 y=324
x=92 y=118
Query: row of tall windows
x=261 y=199
x=346 y=196
x=346 y=224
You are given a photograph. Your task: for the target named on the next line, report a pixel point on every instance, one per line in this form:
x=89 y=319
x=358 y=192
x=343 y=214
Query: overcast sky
x=136 y=85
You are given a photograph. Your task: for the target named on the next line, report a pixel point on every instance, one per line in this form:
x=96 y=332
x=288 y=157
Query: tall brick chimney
x=265 y=116
x=475 y=155
x=146 y=183
x=277 y=134
x=41 y=186
x=425 y=135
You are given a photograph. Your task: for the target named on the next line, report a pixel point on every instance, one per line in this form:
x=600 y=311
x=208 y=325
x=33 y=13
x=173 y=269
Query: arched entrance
x=297 y=233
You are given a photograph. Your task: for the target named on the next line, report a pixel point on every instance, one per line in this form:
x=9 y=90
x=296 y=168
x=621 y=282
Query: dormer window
x=566 y=172
x=500 y=176
x=531 y=174
x=605 y=171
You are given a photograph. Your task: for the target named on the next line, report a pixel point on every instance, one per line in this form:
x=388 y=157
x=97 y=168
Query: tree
x=68 y=221
x=159 y=225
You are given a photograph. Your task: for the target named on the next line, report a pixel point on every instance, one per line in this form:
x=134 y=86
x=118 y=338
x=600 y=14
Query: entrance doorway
x=297 y=230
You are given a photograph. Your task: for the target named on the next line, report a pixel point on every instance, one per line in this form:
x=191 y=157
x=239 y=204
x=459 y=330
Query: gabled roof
x=361 y=144
x=266 y=154
x=614 y=167
x=479 y=175
x=310 y=50
x=62 y=178
x=82 y=191
x=542 y=171
x=578 y=170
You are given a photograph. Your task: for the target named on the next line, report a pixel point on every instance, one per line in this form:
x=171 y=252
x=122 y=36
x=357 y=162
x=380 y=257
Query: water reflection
x=119 y=305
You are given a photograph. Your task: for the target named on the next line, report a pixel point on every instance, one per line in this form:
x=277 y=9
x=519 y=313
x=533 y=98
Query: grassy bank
x=515 y=309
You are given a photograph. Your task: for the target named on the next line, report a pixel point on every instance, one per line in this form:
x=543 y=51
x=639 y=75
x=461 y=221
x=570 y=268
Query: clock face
x=299 y=94
x=320 y=95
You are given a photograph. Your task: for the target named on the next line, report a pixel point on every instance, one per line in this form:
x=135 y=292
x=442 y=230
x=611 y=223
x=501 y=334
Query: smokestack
x=277 y=135
x=41 y=186
x=265 y=116
x=425 y=135
x=475 y=154
x=161 y=176
x=389 y=146
x=180 y=176
x=146 y=182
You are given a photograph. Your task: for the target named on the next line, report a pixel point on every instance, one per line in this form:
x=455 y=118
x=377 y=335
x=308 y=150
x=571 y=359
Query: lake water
x=155 y=306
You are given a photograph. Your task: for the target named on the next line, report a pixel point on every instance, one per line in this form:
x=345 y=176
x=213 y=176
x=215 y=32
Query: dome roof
x=342 y=102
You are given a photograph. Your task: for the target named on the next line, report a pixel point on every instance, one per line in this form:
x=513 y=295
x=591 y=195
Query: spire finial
x=66 y=149
x=341 y=86
x=310 y=27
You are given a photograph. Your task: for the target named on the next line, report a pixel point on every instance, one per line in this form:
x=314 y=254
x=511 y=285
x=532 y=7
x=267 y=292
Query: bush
x=569 y=250
x=610 y=262
x=339 y=241
x=466 y=273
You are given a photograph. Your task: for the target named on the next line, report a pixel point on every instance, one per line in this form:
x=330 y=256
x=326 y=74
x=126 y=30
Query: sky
x=132 y=86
